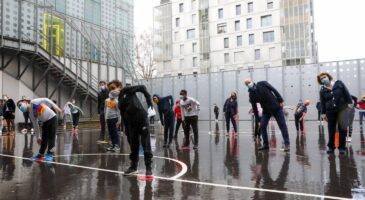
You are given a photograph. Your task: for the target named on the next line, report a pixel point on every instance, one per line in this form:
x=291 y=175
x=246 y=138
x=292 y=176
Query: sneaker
x=285 y=148
x=131 y=171
x=48 y=157
x=263 y=148
x=330 y=151
x=37 y=157
x=195 y=147
x=348 y=139
x=111 y=148
x=342 y=151
x=116 y=148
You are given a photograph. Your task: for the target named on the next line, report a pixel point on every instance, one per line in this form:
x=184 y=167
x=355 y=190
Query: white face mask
x=114 y=94
x=250 y=85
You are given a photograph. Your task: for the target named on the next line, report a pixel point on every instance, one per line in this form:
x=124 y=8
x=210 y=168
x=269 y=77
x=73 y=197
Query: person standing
x=335 y=99
x=135 y=119
x=179 y=122
x=272 y=105
x=351 y=117
x=112 y=116
x=9 y=113
x=67 y=116
x=102 y=96
x=299 y=115
x=40 y=110
x=230 y=110
x=216 y=112
x=319 y=110
x=190 y=110
x=361 y=104
x=165 y=105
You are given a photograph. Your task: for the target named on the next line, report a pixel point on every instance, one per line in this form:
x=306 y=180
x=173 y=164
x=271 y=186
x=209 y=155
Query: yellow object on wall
x=53 y=34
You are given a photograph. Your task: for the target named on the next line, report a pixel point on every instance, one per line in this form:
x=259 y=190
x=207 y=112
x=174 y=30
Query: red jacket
x=177 y=111
x=361 y=104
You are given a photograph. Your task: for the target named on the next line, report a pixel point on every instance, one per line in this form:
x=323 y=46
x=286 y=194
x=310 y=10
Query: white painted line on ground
x=196 y=182
x=183 y=171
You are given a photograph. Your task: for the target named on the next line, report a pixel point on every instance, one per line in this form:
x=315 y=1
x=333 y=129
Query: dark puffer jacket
x=335 y=99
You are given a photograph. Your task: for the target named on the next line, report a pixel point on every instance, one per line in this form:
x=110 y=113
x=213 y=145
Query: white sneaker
x=348 y=139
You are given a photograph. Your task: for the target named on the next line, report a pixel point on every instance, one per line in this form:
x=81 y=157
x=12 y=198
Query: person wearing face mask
x=272 y=105
x=190 y=109
x=112 y=116
x=76 y=112
x=102 y=96
x=335 y=101
x=165 y=105
x=299 y=114
x=361 y=104
x=40 y=110
x=9 y=113
x=135 y=119
x=230 y=110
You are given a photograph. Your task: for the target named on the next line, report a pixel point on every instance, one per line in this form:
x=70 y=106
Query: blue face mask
x=181 y=97
x=325 y=81
x=23 y=108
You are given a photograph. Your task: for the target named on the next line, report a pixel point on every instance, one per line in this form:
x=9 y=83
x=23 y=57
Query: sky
x=339 y=26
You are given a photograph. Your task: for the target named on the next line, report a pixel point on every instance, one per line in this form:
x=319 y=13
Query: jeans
x=179 y=122
x=168 y=126
x=191 y=121
x=299 y=123
x=362 y=115
x=216 y=116
x=113 y=130
x=280 y=119
x=75 y=119
x=102 y=126
x=229 y=118
x=337 y=118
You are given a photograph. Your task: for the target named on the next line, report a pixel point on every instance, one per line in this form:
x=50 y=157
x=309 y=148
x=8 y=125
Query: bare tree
x=145 y=64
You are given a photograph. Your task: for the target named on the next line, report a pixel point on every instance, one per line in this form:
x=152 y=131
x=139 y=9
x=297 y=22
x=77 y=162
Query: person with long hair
x=230 y=110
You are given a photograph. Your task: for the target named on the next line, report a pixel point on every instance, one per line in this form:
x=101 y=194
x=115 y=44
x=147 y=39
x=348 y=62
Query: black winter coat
x=102 y=96
x=230 y=107
x=335 y=99
x=164 y=105
x=131 y=109
x=267 y=96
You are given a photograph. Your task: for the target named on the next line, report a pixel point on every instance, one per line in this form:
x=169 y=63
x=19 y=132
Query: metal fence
x=293 y=83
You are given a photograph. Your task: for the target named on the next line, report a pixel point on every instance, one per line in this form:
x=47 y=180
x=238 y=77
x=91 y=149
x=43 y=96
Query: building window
x=250 y=7
x=270 y=4
x=222 y=28
x=176 y=36
x=226 y=42
x=257 y=54
x=272 y=53
x=268 y=36
x=181 y=49
x=181 y=7
x=177 y=22
x=238 y=9
x=239 y=40
x=193 y=4
x=249 y=23
x=193 y=18
x=251 y=39
x=194 y=47
x=237 y=25
x=266 y=20
x=195 y=61
x=239 y=57
x=181 y=63
x=226 y=58
x=220 y=13
x=190 y=34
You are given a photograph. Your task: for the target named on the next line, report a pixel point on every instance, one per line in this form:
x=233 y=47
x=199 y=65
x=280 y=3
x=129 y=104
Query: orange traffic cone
x=337 y=139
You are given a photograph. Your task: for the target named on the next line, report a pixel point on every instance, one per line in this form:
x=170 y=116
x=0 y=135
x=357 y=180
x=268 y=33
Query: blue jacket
x=230 y=107
x=165 y=105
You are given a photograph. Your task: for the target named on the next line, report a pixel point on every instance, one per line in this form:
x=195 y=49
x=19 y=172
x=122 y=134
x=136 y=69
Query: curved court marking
x=197 y=182
x=183 y=171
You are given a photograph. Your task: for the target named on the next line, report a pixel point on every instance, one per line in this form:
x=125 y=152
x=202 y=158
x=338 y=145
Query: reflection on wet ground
x=222 y=168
